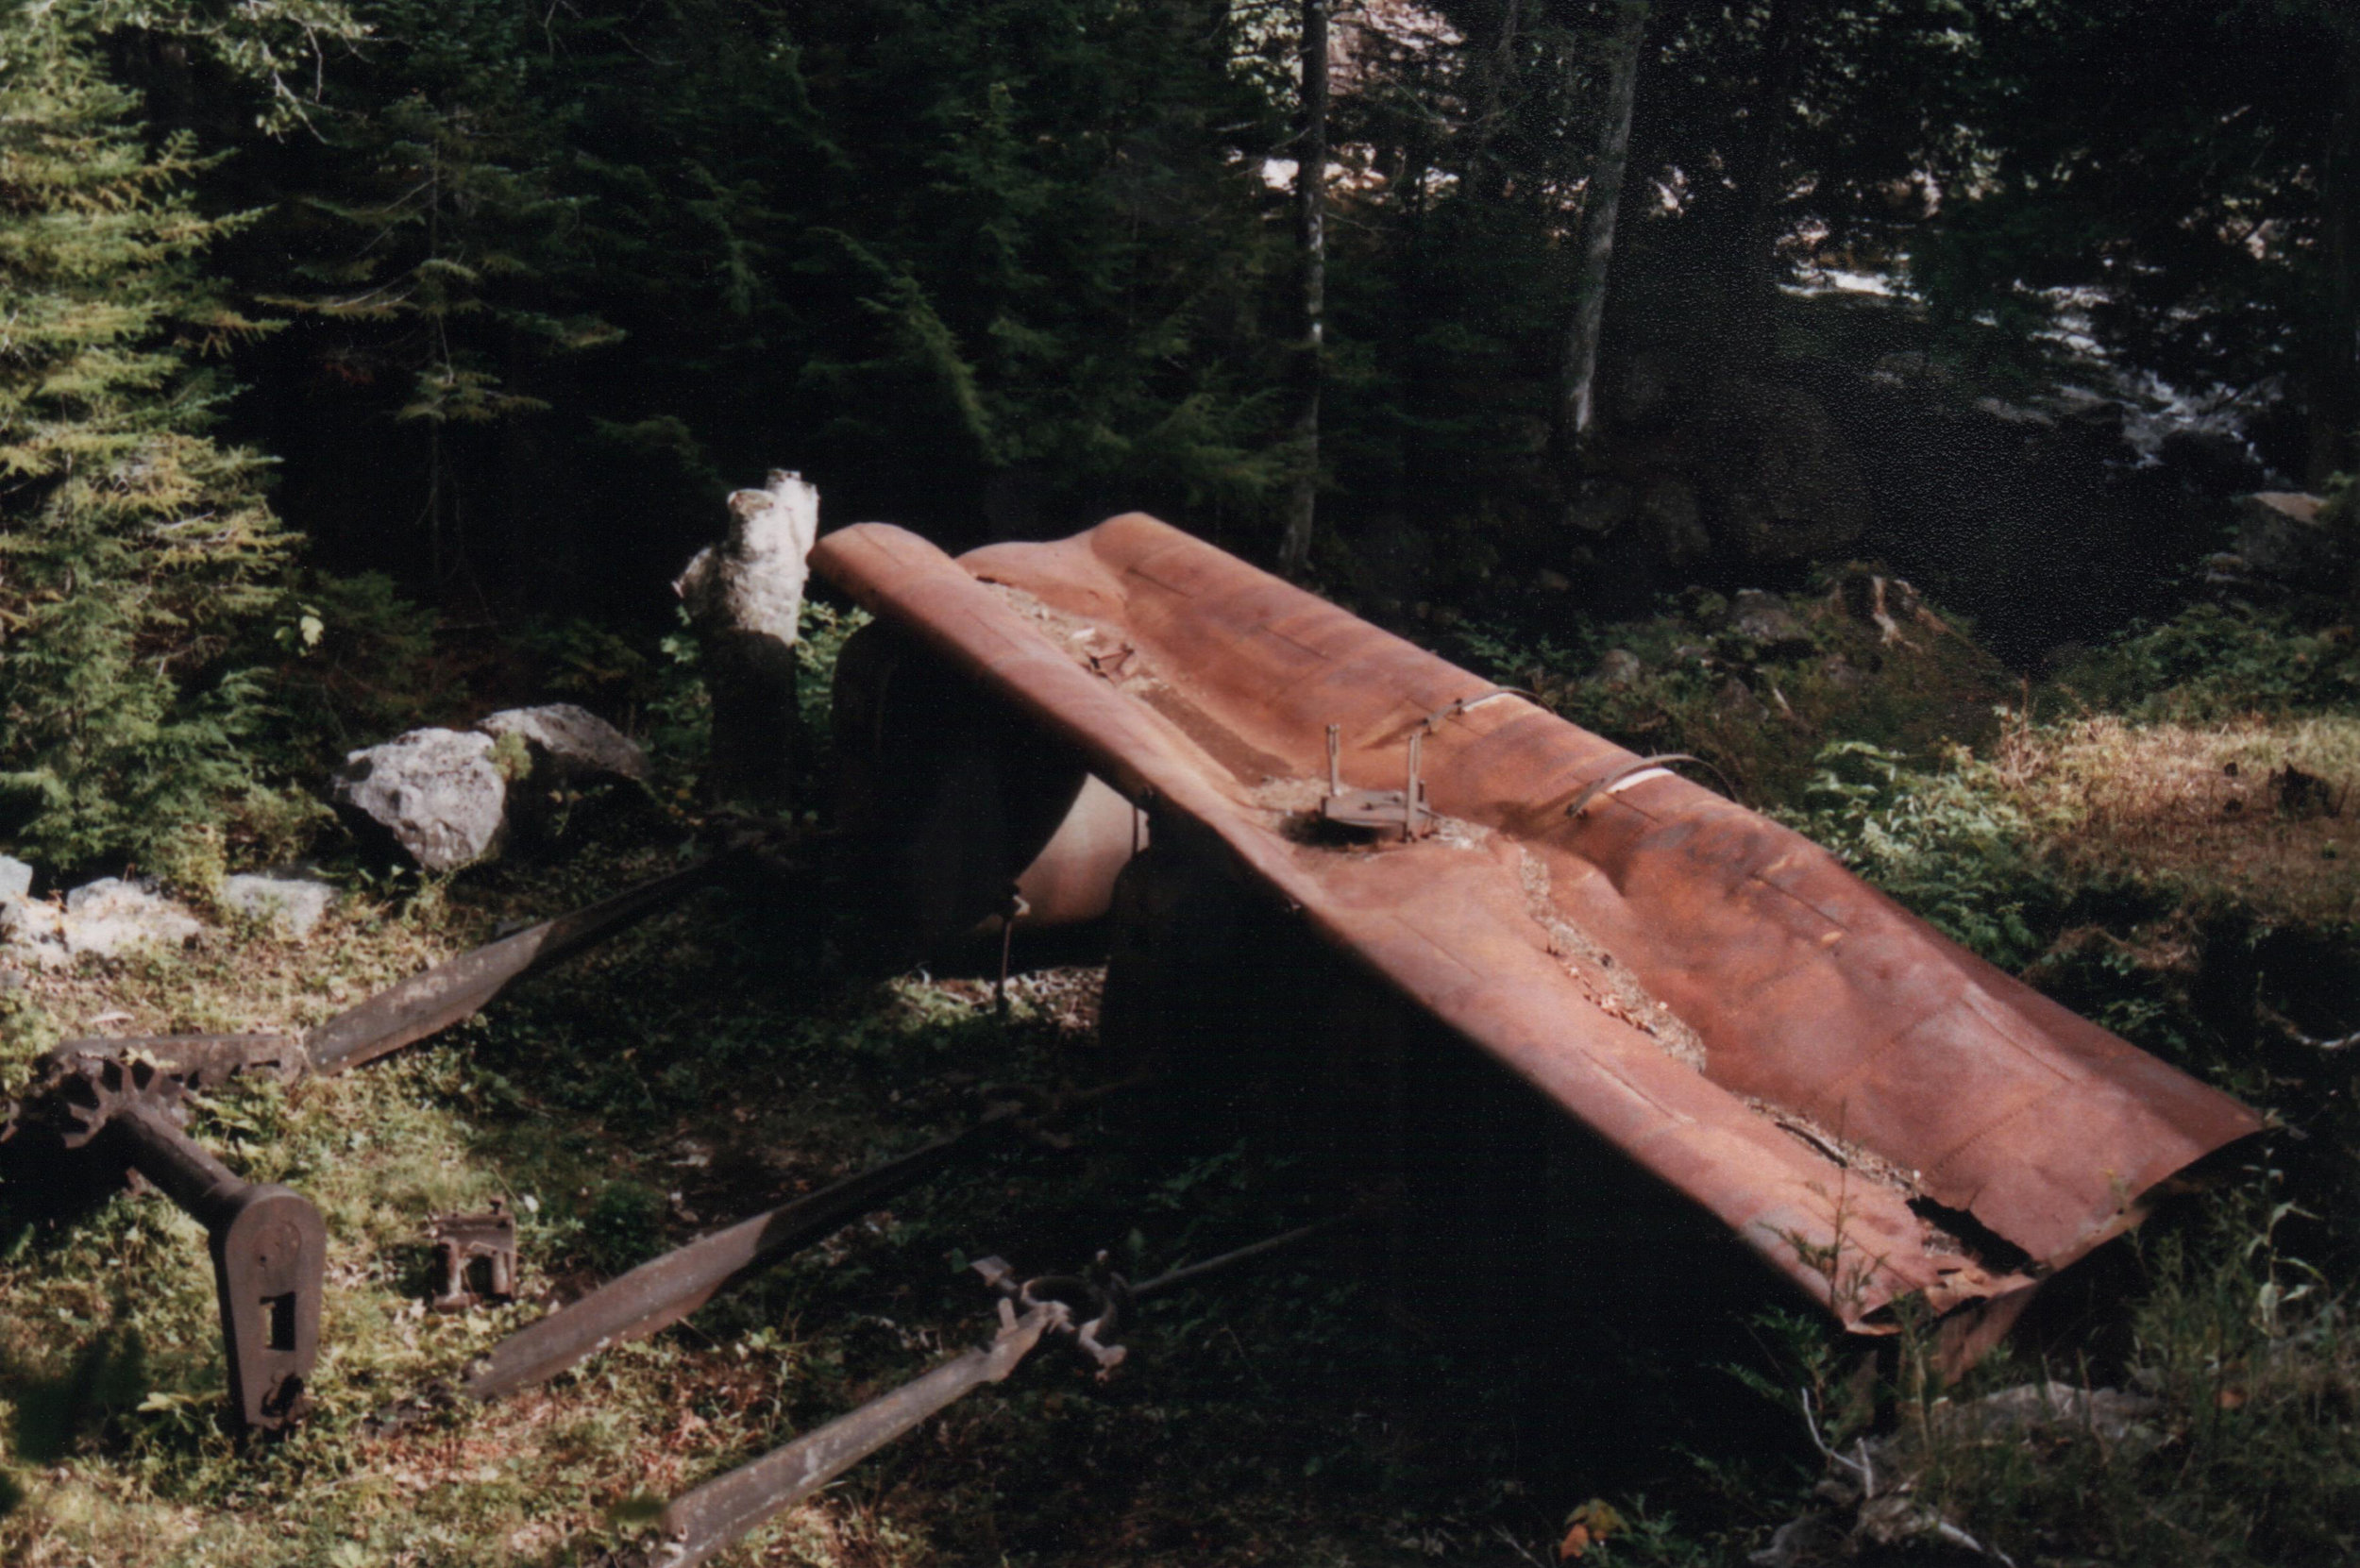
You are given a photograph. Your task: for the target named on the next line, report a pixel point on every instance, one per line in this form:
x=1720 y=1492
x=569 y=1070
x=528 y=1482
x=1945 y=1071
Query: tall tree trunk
x=1752 y=275
x=1605 y=199
x=2334 y=393
x=1294 y=549
x=1498 y=73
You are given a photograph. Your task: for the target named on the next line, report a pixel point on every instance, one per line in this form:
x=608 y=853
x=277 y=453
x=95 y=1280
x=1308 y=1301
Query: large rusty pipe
x=1705 y=990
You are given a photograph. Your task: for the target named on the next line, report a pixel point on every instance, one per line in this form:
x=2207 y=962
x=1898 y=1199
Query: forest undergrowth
x=2166 y=847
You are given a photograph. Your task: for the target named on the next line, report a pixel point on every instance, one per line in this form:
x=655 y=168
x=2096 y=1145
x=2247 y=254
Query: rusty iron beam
x=428 y=1004
x=1876 y=1112
x=705 y=1521
x=660 y=1292
x=408 y=1011
x=664 y=1290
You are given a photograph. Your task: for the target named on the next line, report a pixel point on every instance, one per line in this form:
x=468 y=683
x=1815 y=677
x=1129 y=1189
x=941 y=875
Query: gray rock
x=2012 y=413
x=1764 y=620
x=1735 y=700
x=1669 y=508
x=292 y=899
x=2280 y=537
x=16 y=878
x=1618 y=668
x=1603 y=508
x=436 y=791
x=573 y=743
x=1780 y=478
x=100 y=918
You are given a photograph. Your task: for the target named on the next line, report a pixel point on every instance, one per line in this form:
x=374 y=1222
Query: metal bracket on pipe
x=1658 y=767
x=1403 y=812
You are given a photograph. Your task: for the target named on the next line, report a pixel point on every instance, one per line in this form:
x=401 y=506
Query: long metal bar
x=668 y=1289
x=429 y=1002
x=703 y=1522
x=408 y=1011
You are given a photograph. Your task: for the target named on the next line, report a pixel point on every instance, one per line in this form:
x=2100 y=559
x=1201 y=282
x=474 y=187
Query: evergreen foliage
x=138 y=555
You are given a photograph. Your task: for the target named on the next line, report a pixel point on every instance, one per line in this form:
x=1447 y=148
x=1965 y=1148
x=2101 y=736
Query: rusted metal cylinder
x=966 y=814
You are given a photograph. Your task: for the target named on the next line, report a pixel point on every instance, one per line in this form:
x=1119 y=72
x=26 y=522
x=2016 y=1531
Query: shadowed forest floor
x=727 y=1056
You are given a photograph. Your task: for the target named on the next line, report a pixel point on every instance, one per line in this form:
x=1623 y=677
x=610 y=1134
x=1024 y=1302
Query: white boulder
x=436 y=791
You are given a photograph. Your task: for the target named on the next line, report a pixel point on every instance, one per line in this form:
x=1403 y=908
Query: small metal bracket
x=476 y=1257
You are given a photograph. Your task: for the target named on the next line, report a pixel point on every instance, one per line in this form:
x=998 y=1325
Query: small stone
x=572 y=740
x=16 y=878
x=436 y=791
x=291 y=899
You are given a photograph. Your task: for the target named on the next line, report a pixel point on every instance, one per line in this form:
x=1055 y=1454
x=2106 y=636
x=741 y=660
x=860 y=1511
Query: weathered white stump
x=744 y=598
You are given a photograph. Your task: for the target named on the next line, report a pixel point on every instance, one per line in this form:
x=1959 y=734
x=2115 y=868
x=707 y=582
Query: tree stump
x=745 y=595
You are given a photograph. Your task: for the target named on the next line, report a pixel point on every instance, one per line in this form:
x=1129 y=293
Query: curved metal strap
x=1646 y=768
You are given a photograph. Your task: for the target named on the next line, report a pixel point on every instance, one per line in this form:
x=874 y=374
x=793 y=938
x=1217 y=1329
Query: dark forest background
x=358 y=354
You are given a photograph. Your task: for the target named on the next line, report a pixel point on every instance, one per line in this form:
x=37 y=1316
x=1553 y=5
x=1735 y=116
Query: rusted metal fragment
x=408 y=1011
x=200 y=1062
x=695 y=1526
x=1814 y=1002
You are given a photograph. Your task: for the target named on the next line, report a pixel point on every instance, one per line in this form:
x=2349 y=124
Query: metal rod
x=1174 y=1278
x=269 y=1249
x=1409 y=789
x=1335 y=759
x=179 y=1165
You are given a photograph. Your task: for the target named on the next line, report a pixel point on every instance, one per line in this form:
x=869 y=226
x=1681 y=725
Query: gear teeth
x=96 y=1090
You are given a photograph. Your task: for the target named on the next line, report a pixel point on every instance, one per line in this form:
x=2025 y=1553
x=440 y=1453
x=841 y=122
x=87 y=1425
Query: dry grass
x=2264 y=812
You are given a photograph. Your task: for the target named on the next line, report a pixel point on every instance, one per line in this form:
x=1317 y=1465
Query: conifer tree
x=137 y=553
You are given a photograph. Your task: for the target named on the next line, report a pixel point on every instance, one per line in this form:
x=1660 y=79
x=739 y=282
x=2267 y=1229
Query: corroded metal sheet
x=1872 y=1109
